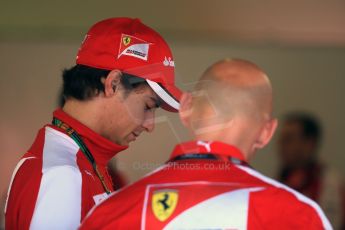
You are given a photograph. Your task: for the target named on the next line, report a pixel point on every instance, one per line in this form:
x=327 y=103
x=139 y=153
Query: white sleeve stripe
x=20 y=163
x=62 y=136
x=300 y=197
x=58 y=204
x=58 y=150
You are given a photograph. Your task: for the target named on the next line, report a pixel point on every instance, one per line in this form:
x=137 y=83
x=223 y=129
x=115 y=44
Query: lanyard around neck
x=74 y=135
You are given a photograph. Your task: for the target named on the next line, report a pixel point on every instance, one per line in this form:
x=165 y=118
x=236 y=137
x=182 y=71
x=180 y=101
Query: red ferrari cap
x=136 y=49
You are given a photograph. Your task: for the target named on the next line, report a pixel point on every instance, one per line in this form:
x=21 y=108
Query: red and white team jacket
x=54 y=185
x=199 y=190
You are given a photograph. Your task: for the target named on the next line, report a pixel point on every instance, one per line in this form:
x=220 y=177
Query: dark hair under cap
x=84 y=82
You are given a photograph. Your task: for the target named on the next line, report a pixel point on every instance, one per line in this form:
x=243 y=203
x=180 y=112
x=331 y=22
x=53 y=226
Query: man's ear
x=185 y=110
x=112 y=83
x=266 y=134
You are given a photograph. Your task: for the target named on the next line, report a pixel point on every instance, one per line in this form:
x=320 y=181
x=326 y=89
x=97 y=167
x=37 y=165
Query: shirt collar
x=101 y=148
x=207 y=147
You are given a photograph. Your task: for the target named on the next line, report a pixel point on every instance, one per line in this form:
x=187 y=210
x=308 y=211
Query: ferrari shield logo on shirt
x=134 y=47
x=164 y=203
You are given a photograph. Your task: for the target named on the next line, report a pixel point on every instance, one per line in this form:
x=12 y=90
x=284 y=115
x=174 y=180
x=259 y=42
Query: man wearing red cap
x=207 y=183
x=124 y=71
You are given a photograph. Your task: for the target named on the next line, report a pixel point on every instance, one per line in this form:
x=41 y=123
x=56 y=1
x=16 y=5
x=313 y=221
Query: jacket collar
x=101 y=148
x=207 y=147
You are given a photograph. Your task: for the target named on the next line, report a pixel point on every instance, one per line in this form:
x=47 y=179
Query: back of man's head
x=232 y=102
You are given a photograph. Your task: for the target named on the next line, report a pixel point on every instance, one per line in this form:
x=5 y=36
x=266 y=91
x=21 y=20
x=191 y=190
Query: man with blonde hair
x=207 y=183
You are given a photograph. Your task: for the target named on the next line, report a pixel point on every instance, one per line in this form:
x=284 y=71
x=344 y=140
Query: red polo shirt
x=206 y=185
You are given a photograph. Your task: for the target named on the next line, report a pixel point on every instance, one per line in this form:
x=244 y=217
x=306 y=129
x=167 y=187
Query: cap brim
x=169 y=94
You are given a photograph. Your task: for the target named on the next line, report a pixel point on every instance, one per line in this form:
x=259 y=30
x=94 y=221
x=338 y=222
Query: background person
x=299 y=142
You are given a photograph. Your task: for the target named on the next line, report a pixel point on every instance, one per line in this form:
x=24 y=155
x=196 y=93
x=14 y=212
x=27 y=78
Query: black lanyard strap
x=74 y=135
x=189 y=156
x=208 y=156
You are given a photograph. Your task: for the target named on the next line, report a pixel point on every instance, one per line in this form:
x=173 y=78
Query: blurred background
x=299 y=43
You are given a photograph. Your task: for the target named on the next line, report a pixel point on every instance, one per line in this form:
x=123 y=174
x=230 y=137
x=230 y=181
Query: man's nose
x=149 y=122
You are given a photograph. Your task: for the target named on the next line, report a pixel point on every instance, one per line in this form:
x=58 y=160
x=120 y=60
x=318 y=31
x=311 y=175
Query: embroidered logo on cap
x=126 y=40
x=132 y=46
x=168 y=62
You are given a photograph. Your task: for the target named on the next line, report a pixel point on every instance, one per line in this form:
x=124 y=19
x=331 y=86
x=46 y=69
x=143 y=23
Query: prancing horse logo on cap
x=134 y=47
x=126 y=40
